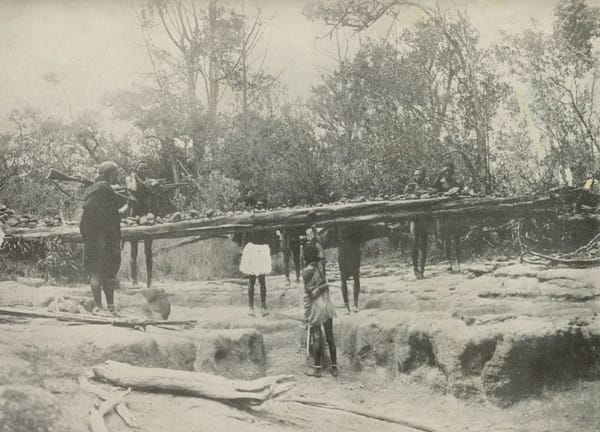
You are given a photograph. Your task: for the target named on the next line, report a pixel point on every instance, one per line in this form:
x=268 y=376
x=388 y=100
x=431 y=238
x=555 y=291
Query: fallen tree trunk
x=193 y=383
x=360 y=412
x=91 y=319
x=356 y=213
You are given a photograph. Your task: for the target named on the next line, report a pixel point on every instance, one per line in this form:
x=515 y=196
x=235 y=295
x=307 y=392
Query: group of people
x=319 y=310
x=419 y=226
x=100 y=229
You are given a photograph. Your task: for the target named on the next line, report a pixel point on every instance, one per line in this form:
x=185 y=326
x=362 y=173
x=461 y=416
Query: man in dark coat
x=101 y=232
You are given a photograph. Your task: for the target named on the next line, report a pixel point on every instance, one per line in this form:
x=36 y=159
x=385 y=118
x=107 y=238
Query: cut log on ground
x=194 y=383
x=90 y=319
x=326 y=215
x=360 y=412
x=97 y=414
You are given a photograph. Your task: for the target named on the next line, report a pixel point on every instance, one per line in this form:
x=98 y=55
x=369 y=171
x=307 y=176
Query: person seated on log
x=449 y=228
x=101 y=232
x=256 y=260
x=139 y=187
x=248 y=200
x=419 y=226
x=590 y=193
x=349 y=254
x=319 y=311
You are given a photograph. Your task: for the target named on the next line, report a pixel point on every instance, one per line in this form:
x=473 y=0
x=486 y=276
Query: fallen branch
x=185 y=242
x=194 y=383
x=120 y=408
x=575 y=262
x=97 y=414
x=91 y=319
x=360 y=412
x=586 y=248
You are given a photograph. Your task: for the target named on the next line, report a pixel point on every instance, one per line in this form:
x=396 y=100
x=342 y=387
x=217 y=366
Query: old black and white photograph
x=300 y=215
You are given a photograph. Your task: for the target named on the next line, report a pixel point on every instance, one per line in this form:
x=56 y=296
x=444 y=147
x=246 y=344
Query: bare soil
x=450 y=378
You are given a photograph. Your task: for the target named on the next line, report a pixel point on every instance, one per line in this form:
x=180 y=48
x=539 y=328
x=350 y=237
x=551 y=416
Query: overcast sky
x=95 y=48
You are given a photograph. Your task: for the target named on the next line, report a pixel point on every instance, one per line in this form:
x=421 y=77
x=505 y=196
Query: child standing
x=256 y=259
x=318 y=309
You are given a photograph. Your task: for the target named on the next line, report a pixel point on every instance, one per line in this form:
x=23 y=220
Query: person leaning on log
x=101 y=232
x=313 y=238
x=349 y=244
x=419 y=226
x=290 y=245
x=449 y=228
x=256 y=260
x=139 y=187
x=248 y=199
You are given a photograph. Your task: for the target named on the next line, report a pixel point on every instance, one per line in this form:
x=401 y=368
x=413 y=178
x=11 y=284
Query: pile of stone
x=12 y=219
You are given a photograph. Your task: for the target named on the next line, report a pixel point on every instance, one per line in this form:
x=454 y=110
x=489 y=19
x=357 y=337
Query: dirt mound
x=25 y=408
x=16 y=370
x=523 y=364
x=504 y=359
x=154 y=302
x=238 y=354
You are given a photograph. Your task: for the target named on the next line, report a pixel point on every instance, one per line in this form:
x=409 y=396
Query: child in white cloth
x=256 y=263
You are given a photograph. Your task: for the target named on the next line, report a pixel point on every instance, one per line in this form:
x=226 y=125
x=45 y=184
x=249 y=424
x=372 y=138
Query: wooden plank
x=87 y=319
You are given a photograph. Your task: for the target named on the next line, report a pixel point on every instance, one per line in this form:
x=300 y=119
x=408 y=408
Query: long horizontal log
x=71 y=317
x=356 y=213
x=193 y=383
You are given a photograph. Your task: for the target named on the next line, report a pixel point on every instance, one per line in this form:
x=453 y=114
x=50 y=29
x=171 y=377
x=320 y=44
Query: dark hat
x=106 y=167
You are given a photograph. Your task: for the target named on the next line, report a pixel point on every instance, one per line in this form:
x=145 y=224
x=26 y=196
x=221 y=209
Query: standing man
x=139 y=188
x=349 y=244
x=290 y=239
x=450 y=230
x=419 y=226
x=101 y=231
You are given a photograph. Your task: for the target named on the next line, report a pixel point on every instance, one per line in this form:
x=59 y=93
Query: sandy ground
x=52 y=355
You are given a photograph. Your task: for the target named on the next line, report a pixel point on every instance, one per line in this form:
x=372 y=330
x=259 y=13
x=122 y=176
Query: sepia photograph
x=300 y=215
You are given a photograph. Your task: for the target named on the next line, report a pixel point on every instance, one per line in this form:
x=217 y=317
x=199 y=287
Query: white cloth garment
x=256 y=259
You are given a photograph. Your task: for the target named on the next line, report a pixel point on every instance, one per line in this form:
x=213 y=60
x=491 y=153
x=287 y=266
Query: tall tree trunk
x=245 y=91
x=213 y=91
